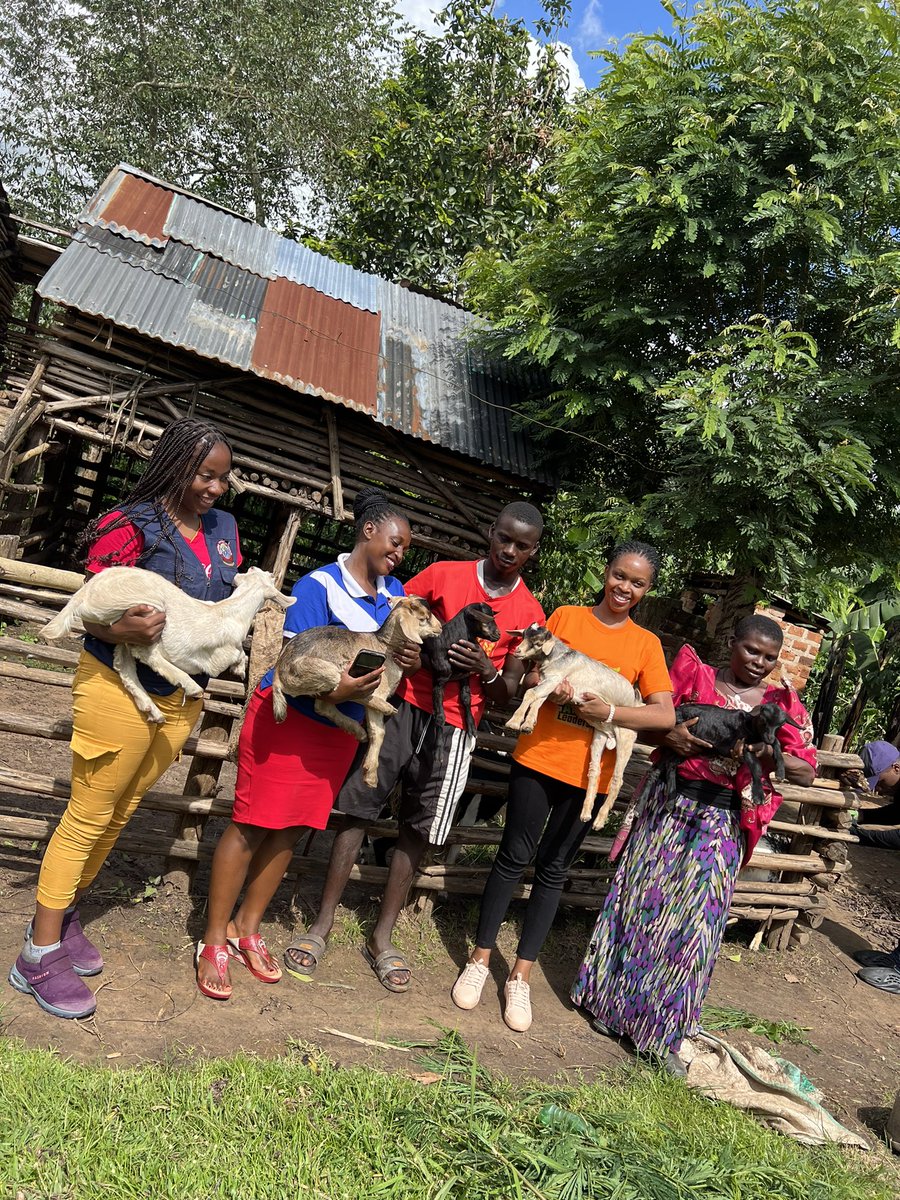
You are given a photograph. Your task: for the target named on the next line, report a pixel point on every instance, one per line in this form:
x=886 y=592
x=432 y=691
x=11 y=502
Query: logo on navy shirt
x=225 y=552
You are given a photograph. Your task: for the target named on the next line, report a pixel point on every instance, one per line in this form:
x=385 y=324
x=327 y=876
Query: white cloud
x=419 y=13
x=590 y=33
x=567 y=61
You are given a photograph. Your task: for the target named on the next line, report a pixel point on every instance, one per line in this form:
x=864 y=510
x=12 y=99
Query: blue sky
x=592 y=23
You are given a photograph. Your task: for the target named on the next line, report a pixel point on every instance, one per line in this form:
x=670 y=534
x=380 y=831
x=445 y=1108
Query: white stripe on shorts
x=455 y=775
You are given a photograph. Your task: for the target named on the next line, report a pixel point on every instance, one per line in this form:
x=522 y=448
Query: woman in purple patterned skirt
x=650 y=958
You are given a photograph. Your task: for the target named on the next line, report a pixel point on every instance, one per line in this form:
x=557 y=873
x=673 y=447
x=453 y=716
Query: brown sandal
x=385 y=964
x=313 y=946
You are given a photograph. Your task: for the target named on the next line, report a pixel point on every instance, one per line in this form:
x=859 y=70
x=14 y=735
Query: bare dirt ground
x=150 y=1010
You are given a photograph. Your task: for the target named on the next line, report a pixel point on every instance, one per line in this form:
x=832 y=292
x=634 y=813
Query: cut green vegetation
x=717 y=1019
x=299 y=1126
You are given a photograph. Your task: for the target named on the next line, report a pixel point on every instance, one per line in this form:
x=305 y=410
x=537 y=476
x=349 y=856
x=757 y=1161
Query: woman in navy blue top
x=289 y=774
x=168 y=524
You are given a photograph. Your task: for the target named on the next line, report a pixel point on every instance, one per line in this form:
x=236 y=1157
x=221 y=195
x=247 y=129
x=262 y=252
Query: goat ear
x=516 y=632
x=392 y=600
x=547 y=648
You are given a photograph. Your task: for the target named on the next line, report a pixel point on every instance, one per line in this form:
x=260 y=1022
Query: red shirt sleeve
x=119 y=548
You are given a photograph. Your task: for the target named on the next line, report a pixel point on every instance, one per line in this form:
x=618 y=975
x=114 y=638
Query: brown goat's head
x=536 y=640
x=415 y=618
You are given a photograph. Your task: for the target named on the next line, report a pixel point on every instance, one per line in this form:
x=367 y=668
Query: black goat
x=470 y=623
x=724 y=728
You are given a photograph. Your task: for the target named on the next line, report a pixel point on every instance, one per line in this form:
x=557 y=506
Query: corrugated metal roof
x=229 y=290
x=298 y=263
x=174 y=312
x=320 y=345
x=132 y=207
x=435 y=384
x=240 y=243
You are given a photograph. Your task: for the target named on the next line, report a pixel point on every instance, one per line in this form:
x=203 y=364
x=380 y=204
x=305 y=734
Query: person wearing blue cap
x=881 y=767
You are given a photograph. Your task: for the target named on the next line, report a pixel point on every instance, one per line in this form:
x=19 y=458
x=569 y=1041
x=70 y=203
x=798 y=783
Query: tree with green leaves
x=714 y=298
x=458 y=147
x=250 y=102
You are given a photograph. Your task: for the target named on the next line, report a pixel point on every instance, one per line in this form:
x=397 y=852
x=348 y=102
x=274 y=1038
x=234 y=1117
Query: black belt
x=709 y=793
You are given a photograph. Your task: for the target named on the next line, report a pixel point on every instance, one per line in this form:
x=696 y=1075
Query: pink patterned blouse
x=695 y=683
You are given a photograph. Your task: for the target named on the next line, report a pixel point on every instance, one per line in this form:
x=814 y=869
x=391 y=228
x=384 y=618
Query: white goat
x=556 y=661
x=198 y=638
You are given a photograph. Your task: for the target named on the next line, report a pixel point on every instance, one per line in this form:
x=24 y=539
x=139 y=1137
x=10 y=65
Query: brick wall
x=801 y=645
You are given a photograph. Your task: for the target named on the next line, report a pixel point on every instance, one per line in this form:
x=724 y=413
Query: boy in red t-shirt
x=431 y=763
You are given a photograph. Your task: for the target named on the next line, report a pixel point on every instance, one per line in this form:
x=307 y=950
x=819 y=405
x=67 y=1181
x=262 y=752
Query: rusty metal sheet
x=134 y=209
x=435 y=384
x=318 y=345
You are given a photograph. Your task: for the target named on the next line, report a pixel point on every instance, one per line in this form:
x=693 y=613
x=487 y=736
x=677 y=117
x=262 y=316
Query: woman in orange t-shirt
x=549 y=775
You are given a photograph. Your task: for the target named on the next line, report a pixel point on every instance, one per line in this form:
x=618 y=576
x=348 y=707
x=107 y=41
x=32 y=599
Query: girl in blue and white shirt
x=289 y=774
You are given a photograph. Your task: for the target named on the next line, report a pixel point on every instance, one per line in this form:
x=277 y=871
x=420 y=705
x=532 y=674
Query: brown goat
x=311 y=664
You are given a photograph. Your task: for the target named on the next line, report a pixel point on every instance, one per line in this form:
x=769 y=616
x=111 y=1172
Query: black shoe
x=876 y=958
x=604 y=1030
x=886 y=979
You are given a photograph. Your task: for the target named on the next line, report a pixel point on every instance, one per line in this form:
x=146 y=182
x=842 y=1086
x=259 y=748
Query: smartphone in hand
x=365 y=662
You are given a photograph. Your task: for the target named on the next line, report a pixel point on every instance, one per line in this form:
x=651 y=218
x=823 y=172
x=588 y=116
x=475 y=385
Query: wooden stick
x=34 y=452
x=334 y=458
x=60 y=730
x=49 y=577
x=10 y=431
x=352 y=1037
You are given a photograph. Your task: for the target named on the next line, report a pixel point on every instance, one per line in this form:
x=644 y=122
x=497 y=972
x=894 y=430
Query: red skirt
x=288 y=774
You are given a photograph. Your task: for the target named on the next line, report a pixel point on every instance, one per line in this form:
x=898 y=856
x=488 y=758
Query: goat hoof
x=155 y=718
x=371 y=780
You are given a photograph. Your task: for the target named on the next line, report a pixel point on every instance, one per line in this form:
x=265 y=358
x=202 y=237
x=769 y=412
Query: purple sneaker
x=86 y=958
x=54 y=984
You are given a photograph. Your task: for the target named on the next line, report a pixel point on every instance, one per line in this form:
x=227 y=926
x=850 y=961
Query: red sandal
x=219 y=956
x=255 y=944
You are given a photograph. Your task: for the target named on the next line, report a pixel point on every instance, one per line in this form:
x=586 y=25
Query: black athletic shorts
x=431 y=764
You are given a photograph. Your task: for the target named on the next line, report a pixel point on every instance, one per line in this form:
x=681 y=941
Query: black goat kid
x=724 y=728
x=470 y=623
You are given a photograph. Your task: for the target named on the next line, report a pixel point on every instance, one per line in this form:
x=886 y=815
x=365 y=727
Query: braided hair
x=371 y=504
x=171 y=468
x=639 y=550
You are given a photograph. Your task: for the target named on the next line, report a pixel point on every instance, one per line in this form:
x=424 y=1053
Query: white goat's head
x=265 y=582
x=537 y=640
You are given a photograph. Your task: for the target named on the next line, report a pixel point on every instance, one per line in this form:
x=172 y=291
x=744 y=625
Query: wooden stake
x=334 y=457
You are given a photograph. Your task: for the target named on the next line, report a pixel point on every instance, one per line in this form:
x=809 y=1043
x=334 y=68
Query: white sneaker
x=467 y=990
x=517 y=1013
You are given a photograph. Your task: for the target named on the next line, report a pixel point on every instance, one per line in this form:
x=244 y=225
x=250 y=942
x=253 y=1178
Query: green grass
x=718 y=1018
x=298 y=1126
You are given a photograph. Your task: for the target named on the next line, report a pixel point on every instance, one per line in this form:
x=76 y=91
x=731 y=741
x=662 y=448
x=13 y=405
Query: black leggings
x=529 y=835
x=885 y=839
